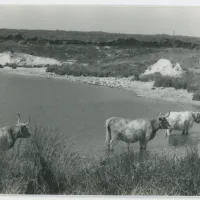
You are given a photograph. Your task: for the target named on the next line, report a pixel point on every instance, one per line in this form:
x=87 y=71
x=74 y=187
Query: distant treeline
x=97 y=38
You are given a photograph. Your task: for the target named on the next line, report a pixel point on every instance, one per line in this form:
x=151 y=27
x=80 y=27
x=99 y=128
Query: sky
x=118 y=19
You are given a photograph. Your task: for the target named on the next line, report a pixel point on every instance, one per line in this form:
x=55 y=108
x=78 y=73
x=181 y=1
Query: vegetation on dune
x=189 y=81
x=168 y=81
x=46 y=164
x=15 y=66
x=125 y=69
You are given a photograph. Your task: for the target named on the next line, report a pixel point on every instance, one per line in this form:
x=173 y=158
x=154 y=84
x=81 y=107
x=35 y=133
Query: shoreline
x=140 y=89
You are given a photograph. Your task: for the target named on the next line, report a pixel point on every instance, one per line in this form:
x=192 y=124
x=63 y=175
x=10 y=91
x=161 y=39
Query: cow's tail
x=108 y=133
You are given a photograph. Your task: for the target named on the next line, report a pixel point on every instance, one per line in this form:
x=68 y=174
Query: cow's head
x=23 y=129
x=197 y=117
x=163 y=122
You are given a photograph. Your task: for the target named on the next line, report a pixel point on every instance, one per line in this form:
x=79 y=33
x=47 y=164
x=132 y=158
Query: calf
x=131 y=131
x=182 y=121
x=9 y=134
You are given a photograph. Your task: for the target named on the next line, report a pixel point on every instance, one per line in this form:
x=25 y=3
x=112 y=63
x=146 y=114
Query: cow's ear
x=160 y=114
x=167 y=115
x=18 y=118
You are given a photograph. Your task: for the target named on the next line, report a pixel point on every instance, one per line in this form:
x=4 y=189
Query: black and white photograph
x=99 y=100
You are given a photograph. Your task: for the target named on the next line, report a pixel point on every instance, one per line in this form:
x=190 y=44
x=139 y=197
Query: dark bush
x=136 y=77
x=192 y=87
x=13 y=65
x=168 y=81
x=196 y=96
x=150 y=77
x=98 y=70
x=1 y=66
x=18 y=36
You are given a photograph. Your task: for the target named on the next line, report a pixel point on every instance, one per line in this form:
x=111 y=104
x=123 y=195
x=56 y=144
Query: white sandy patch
x=166 y=68
x=23 y=59
x=143 y=89
x=25 y=71
x=98 y=48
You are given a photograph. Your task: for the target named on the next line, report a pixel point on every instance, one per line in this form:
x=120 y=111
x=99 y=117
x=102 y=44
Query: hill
x=59 y=37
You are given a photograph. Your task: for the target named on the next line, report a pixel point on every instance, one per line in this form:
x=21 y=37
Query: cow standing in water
x=182 y=121
x=9 y=134
x=131 y=131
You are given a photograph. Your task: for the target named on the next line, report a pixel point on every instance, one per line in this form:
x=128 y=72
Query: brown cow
x=131 y=131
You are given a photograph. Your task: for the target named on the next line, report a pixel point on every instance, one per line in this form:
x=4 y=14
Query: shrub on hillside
x=150 y=77
x=13 y=66
x=168 y=81
x=1 y=66
x=98 y=69
x=193 y=87
x=196 y=96
x=188 y=80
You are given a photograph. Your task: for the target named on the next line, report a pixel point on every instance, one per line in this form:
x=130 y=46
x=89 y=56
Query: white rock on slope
x=165 y=67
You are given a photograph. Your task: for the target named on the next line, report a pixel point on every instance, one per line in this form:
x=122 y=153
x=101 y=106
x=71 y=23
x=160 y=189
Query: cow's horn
x=28 y=121
x=167 y=115
x=18 y=118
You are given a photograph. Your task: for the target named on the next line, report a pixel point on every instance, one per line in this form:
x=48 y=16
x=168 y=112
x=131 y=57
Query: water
x=79 y=110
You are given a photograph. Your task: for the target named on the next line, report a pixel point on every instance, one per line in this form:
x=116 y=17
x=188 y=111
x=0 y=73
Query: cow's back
x=136 y=129
x=139 y=124
x=118 y=123
x=129 y=130
x=180 y=120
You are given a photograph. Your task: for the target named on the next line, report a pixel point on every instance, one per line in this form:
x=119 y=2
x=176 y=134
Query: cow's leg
x=143 y=145
x=168 y=132
x=113 y=141
x=186 y=132
x=128 y=147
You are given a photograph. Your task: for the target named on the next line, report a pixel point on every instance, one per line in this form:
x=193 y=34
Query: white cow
x=9 y=134
x=182 y=121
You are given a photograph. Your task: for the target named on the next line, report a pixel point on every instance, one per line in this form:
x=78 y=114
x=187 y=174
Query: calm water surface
x=79 y=110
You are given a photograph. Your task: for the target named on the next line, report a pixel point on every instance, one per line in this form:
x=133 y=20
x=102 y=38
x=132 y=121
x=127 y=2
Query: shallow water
x=79 y=110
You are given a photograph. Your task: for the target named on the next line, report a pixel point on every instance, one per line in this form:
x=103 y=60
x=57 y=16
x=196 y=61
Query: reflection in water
x=178 y=140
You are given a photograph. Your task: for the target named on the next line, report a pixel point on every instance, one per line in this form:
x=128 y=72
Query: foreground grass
x=47 y=164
